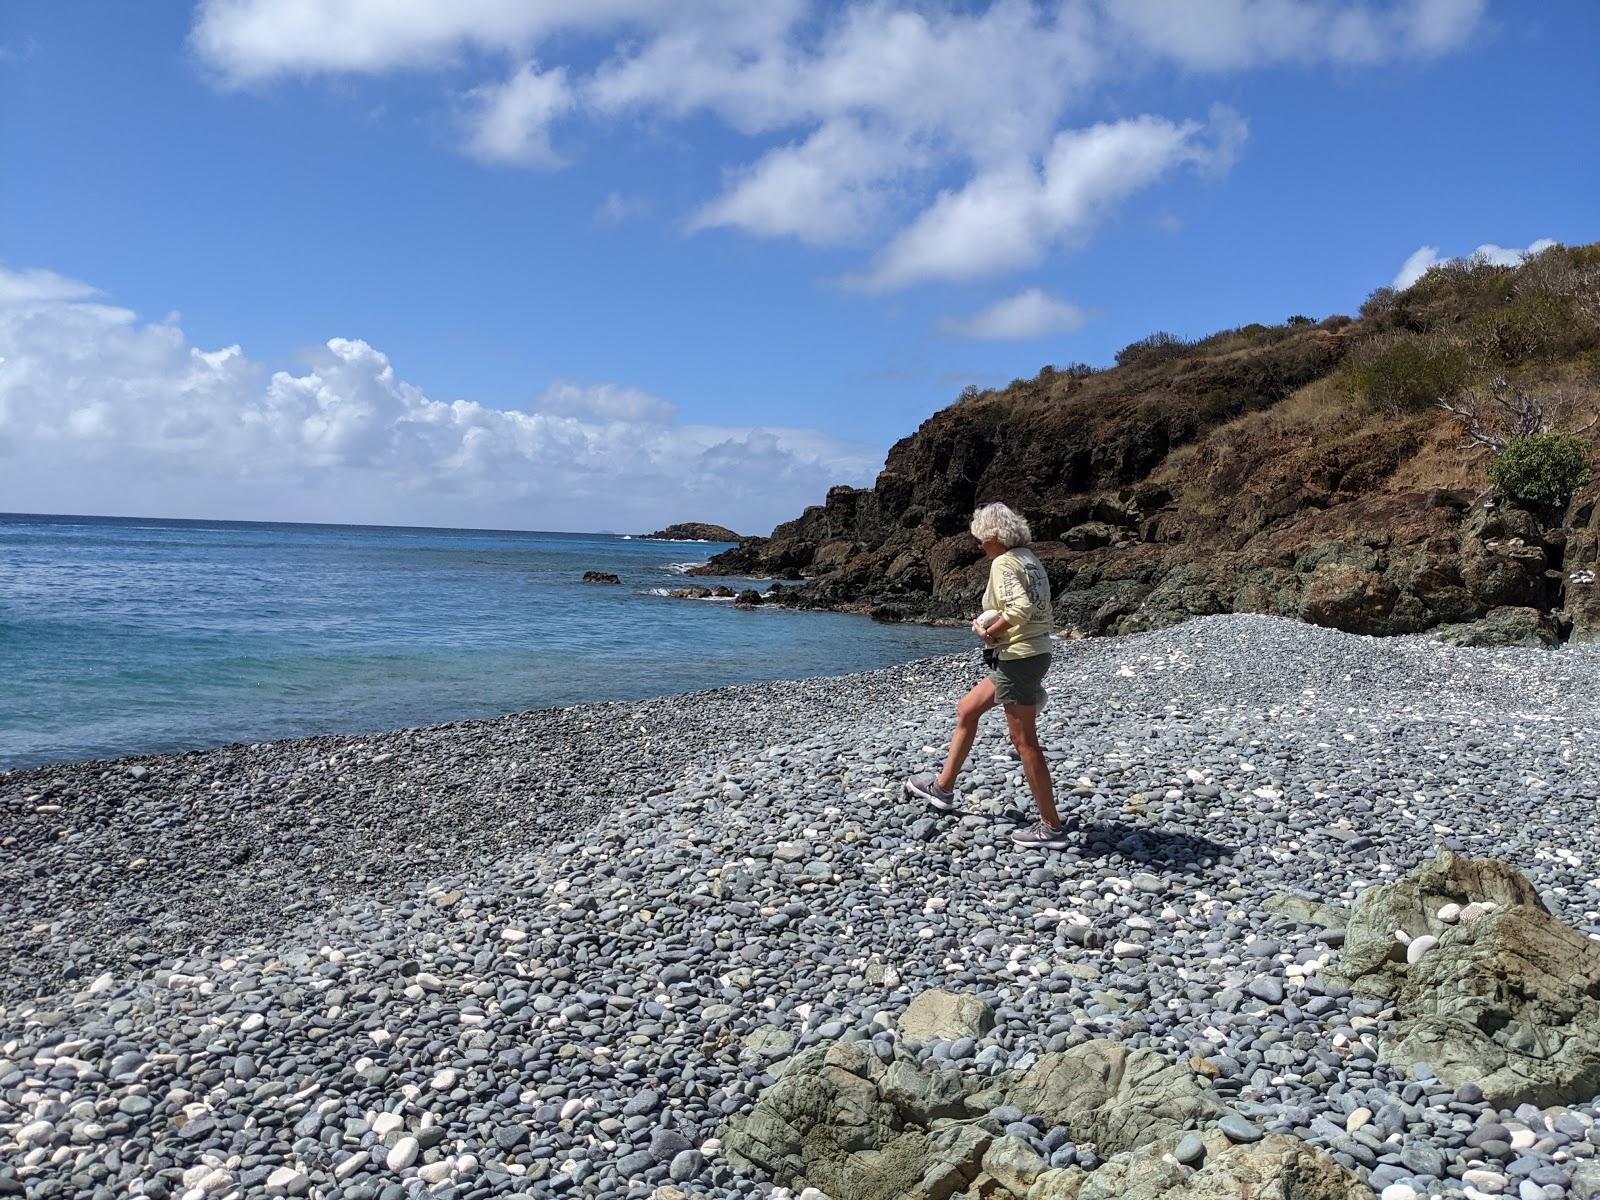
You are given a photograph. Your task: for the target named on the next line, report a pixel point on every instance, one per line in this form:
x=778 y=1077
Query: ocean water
x=128 y=636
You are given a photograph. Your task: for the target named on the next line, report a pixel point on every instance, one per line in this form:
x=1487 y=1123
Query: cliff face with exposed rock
x=1266 y=469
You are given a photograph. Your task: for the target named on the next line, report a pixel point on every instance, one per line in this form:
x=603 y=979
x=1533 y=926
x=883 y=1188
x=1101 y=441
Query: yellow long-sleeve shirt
x=1019 y=590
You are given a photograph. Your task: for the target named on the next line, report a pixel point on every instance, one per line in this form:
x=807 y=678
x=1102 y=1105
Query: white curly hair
x=1002 y=524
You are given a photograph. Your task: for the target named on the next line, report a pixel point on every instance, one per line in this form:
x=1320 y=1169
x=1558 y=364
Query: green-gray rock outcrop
x=841 y=1119
x=1488 y=986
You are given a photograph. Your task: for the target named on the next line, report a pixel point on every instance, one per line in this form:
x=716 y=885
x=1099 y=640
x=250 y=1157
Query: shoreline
x=668 y=896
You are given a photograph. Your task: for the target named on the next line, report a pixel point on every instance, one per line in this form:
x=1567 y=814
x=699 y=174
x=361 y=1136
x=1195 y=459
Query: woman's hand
x=977 y=628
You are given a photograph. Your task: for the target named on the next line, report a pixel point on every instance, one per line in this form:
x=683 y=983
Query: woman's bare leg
x=1022 y=725
x=972 y=706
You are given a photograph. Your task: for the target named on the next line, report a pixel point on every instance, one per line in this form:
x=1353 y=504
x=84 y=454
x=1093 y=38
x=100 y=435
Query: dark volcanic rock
x=692 y=531
x=1233 y=476
x=600 y=577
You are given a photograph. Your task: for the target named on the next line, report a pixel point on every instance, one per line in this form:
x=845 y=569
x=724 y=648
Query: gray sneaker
x=926 y=788
x=1046 y=836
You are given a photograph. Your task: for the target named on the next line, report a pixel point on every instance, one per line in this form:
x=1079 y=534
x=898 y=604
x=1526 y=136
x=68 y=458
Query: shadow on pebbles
x=636 y=950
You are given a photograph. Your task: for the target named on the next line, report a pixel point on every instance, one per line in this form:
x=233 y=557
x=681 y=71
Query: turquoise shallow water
x=128 y=636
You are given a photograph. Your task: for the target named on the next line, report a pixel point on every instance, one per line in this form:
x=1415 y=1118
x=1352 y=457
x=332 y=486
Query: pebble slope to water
x=497 y=1000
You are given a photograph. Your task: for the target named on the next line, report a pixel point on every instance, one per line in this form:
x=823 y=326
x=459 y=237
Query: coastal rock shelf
x=572 y=952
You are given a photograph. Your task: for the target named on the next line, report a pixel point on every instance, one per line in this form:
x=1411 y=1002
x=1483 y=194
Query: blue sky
x=582 y=264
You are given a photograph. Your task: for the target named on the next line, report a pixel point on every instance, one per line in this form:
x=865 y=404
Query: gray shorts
x=1019 y=680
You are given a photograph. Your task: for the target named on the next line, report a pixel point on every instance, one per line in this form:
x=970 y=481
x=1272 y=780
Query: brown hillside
x=1304 y=469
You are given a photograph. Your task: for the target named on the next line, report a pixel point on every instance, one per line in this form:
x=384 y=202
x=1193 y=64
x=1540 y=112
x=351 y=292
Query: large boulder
x=937 y=1013
x=1117 y=1098
x=1502 y=627
x=1503 y=994
x=824 y=1124
x=841 y=1119
x=1348 y=597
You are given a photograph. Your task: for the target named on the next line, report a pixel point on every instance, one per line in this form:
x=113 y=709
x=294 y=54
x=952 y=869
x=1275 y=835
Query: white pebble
x=386 y=1123
x=1398 y=1191
x=1450 y=914
x=1419 y=946
x=402 y=1154
x=435 y=1172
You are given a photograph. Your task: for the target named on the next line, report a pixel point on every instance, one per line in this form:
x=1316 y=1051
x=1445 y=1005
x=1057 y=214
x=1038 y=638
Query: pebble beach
x=556 y=953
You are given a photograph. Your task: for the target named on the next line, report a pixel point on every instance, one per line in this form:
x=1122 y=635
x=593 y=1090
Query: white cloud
x=21 y=287
x=1032 y=313
x=102 y=412
x=605 y=402
x=248 y=41
x=1222 y=35
x=1416 y=266
x=859 y=111
x=1007 y=217
x=827 y=189
x=1424 y=257
x=509 y=122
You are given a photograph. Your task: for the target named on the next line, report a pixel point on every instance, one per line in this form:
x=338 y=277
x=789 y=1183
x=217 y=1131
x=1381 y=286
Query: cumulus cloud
x=100 y=411
x=1031 y=313
x=872 y=106
x=1424 y=257
x=1007 y=217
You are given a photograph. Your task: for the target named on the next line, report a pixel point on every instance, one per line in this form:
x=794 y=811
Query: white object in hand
x=985 y=619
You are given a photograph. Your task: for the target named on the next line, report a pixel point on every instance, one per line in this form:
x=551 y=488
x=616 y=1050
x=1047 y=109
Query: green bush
x=1543 y=468
x=1404 y=372
x=1299 y=319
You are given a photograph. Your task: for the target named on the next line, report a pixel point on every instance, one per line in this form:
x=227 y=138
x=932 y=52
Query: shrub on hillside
x=1157 y=348
x=1404 y=372
x=1544 y=468
x=1299 y=319
x=1533 y=323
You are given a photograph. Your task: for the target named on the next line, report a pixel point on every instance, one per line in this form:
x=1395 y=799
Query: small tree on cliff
x=1495 y=414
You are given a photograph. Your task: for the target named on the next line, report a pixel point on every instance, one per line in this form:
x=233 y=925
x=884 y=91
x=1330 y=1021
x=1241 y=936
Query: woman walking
x=1016 y=641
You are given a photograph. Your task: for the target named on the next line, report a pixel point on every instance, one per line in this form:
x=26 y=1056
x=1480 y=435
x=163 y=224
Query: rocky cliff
x=1305 y=469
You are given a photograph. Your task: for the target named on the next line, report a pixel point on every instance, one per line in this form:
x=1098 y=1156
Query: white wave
x=683 y=568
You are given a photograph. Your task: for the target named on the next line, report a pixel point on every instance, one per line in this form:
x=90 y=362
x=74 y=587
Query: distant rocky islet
x=692 y=531
x=519 y=971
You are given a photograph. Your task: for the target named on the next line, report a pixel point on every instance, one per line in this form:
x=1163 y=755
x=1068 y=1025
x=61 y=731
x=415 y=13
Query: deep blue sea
x=130 y=636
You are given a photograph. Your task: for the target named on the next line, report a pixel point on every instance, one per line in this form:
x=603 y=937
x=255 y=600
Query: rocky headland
x=1327 y=930
x=692 y=531
x=1336 y=471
